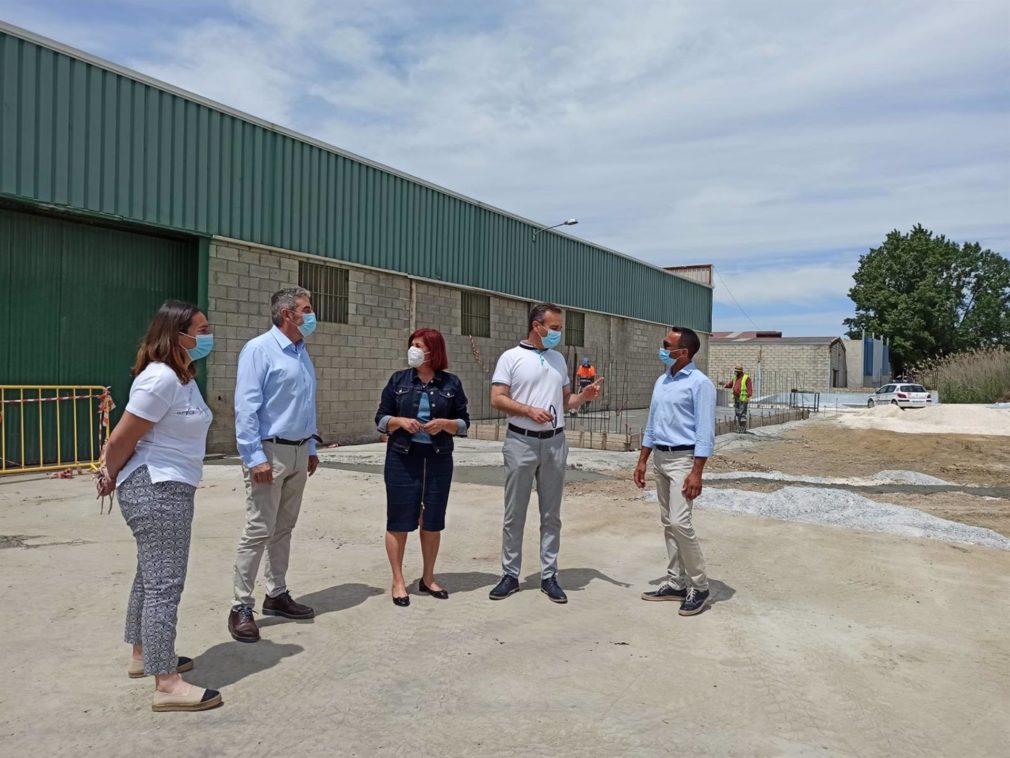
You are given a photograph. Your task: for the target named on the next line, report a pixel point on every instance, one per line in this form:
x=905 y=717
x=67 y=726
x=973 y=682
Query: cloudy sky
x=778 y=140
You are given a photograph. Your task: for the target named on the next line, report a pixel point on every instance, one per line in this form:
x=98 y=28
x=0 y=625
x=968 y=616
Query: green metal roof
x=91 y=136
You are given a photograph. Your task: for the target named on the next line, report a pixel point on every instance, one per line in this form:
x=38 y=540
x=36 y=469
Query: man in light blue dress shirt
x=275 y=430
x=681 y=429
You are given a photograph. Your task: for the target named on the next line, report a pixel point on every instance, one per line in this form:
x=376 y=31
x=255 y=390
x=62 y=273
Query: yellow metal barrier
x=47 y=427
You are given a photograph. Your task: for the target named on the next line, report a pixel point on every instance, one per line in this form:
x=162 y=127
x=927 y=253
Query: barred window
x=330 y=287
x=575 y=328
x=475 y=310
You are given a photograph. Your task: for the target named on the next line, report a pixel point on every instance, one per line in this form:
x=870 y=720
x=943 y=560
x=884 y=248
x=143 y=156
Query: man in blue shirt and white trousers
x=681 y=429
x=275 y=428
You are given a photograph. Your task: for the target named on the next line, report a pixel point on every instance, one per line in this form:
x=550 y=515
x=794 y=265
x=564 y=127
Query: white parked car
x=902 y=395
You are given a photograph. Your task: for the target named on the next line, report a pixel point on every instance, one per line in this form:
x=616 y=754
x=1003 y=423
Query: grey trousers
x=529 y=460
x=740 y=411
x=271 y=514
x=161 y=518
x=686 y=564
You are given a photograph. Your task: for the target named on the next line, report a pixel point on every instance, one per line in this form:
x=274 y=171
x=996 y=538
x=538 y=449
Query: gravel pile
x=847 y=510
x=883 y=477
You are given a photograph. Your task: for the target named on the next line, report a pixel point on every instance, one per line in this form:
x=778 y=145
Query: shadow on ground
x=339 y=597
x=574 y=580
x=721 y=592
x=463 y=581
x=231 y=662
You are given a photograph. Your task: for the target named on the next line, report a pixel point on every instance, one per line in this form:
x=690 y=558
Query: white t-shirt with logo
x=537 y=378
x=173 y=449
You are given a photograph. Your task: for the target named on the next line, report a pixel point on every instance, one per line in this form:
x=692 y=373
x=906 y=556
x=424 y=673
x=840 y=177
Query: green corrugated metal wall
x=75 y=134
x=76 y=298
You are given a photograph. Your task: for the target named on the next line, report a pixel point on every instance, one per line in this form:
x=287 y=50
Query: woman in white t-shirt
x=154 y=458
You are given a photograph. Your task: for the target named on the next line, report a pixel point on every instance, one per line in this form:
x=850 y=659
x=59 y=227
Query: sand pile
x=940 y=419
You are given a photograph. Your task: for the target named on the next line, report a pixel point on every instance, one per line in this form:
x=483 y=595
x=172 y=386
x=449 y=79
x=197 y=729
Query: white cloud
x=741 y=134
x=799 y=284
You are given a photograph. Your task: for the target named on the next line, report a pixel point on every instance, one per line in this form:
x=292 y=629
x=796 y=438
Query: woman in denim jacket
x=421 y=410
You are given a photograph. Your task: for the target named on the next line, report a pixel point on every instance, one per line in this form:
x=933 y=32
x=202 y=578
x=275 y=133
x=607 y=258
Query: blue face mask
x=204 y=344
x=308 y=325
x=664 y=355
x=552 y=339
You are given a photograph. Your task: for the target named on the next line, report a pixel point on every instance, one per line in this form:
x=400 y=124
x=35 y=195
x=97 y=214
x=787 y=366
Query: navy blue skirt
x=417 y=488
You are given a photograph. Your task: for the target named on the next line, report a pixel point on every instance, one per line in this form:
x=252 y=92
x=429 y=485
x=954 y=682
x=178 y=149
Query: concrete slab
x=820 y=640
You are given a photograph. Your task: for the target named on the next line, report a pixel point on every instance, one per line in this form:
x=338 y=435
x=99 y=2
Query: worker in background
x=586 y=375
x=743 y=388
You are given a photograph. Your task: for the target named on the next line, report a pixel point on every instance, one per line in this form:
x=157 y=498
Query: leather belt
x=538 y=435
x=295 y=443
x=674 y=448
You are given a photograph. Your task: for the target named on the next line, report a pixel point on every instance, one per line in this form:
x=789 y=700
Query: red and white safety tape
x=18 y=401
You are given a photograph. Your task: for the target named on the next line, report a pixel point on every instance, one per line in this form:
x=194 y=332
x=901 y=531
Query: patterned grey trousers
x=161 y=517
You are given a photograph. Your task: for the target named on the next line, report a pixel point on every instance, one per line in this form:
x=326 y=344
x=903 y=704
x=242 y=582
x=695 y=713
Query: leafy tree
x=931 y=296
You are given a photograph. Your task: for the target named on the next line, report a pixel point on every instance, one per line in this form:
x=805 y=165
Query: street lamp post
x=569 y=222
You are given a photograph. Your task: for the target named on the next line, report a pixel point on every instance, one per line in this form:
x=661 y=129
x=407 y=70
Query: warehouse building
x=118 y=191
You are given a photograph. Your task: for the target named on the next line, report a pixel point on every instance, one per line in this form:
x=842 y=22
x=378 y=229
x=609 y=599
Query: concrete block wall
x=624 y=351
x=784 y=365
x=241 y=281
x=439 y=307
x=354 y=360
x=723 y=356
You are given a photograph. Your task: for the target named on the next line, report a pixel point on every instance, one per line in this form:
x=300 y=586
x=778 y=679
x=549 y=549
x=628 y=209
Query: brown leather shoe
x=283 y=605
x=242 y=625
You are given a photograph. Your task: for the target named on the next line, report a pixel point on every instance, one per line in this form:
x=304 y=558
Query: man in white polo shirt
x=531 y=385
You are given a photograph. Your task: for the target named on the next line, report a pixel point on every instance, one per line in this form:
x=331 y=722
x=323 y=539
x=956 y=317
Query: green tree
x=931 y=296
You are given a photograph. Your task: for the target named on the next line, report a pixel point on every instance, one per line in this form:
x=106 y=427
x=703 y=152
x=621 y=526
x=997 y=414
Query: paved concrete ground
x=821 y=640
x=636 y=418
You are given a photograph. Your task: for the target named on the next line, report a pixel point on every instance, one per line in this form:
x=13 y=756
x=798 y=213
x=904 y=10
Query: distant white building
x=868 y=361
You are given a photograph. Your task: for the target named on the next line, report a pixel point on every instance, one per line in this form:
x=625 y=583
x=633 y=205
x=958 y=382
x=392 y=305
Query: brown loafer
x=283 y=605
x=242 y=626
x=136 y=670
x=190 y=699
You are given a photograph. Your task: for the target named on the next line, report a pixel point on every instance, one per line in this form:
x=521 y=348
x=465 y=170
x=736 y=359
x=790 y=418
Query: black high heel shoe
x=440 y=594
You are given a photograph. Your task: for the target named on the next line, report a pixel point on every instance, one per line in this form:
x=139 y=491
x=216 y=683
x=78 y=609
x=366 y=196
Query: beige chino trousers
x=271 y=514
x=686 y=566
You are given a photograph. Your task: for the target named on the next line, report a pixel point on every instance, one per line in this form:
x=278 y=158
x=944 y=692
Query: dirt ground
x=820 y=640
x=821 y=448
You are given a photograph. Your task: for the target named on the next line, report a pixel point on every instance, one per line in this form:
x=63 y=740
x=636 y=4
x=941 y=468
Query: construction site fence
x=52 y=426
x=631 y=439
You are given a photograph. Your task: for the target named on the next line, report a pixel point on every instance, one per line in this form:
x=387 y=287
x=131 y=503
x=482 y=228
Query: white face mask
x=415 y=357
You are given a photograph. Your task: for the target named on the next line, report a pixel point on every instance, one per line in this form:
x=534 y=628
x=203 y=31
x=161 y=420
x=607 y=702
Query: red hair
x=437 y=356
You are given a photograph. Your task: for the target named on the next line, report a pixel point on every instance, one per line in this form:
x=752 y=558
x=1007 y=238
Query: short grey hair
x=286 y=300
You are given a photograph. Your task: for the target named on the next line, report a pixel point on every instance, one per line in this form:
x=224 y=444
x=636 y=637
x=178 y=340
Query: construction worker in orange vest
x=743 y=389
x=586 y=376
